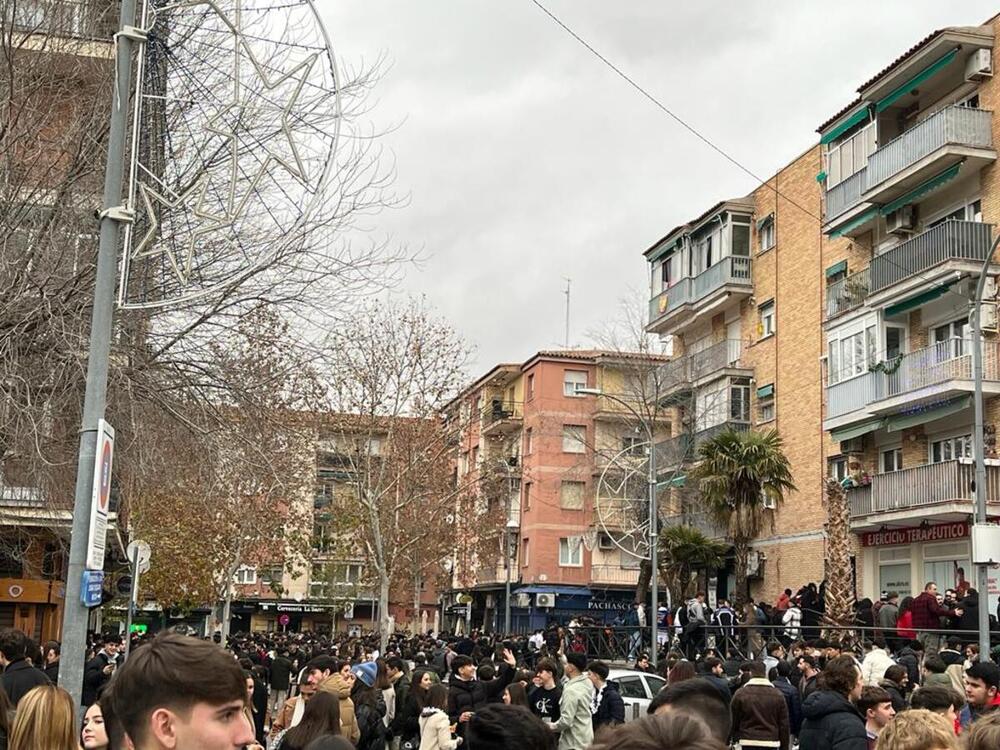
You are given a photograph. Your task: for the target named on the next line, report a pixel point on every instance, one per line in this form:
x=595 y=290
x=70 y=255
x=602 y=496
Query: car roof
x=622 y=672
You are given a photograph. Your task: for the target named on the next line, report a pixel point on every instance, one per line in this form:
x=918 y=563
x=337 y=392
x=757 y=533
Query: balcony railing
x=697 y=520
x=955 y=125
x=850 y=395
x=697 y=365
x=75 y=19
x=845 y=195
x=847 y=293
x=734 y=269
x=614 y=574
x=953 y=240
x=949 y=481
x=501 y=410
x=684 y=447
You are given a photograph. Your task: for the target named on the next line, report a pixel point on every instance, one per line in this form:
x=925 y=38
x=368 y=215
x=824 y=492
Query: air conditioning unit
x=604 y=541
x=979 y=66
x=545 y=601
x=522 y=600
x=901 y=220
x=854 y=445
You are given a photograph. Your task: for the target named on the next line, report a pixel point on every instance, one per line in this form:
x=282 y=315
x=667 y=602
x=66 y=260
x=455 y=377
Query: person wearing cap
x=575 y=725
x=369 y=707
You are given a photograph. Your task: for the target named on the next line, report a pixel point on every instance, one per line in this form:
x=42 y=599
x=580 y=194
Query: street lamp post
x=653 y=515
x=507 y=546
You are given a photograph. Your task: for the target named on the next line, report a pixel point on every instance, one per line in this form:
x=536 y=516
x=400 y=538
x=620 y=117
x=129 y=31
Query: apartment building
x=832 y=304
x=568 y=547
x=910 y=202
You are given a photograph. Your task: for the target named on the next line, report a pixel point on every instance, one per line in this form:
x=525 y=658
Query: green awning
x=920 y=299
x=765 y=391
x=663 y=250
x=856 y=430
x=767 y=219
x=676 y=482
x=922 y=189
x=820 y=177
x=854 y=223
x=860 y=116
x=902 y=421
x=836 y=268
x=888 y=100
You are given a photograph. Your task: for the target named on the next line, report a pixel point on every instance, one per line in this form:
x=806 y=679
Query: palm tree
x=683 y=551
x=742 y=475
x=839 y=591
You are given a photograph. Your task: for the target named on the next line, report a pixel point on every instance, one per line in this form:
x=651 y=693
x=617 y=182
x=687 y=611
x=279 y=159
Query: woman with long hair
x=44 y=719
x=515 y=695
x=424 y=678
x=321 y=717
x=435 y=729
x=904 y=621
x=94 y=735
x=682 y=670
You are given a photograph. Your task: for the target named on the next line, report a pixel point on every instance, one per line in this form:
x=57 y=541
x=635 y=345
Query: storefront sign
x=298 y=608
x=617 y=605
x=942 y=532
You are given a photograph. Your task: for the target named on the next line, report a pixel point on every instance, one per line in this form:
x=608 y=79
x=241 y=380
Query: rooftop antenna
x=569 y=281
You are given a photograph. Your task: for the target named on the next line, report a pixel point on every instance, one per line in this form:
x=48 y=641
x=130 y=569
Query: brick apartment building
x=832 y=304
x=529 y=424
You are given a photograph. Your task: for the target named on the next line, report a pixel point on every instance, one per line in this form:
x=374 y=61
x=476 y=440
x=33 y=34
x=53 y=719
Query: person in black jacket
x=466 y=694
x=780 y=677
x=51 y=651
x=608 y=708
x=19 y=676
x=894 y=683
x=281 y=680
x=831 y=719
x=98 y=672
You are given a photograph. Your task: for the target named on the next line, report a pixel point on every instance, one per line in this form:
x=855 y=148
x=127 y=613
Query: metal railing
x=845 y=195
x=697 y=520
x=733 y=269
x=930 y=484
x=958 y=125
x=500 y=409
x=614 y=574
x=684 y=447
x=847 y=293
x=952 y=240
x=939 y=363
x=696 y=365
x=75 y=19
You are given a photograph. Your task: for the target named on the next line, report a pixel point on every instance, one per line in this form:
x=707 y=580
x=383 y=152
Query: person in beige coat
x=332 y=677
x=435 y=729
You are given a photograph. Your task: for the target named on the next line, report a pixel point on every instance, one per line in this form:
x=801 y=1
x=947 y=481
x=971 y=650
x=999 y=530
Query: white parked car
x=637 y=690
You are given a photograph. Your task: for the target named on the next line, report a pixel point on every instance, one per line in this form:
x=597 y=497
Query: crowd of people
x=899 y=684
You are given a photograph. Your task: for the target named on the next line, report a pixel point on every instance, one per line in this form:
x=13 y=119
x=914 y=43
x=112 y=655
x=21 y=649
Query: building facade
x=561 y=453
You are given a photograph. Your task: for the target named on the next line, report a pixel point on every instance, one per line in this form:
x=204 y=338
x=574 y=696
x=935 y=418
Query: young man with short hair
x=982 y=682
x=178 y=692
x=759 y=712
x=875 y=706
x=607 y=708
x=543 y=700
x=19 y=676
x=575 y=725
x=717 y=676
x=941 y=700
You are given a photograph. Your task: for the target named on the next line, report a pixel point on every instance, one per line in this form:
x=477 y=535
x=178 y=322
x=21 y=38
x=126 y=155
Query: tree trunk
x=741 y=552
x=642 y=586
x=383 y=613
x=839 y=592
x=415 y=621
x=227 y=609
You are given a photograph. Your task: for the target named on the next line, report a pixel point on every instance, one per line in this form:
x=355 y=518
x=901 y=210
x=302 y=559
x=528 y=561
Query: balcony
x=943 y=139
x=74 y=19
x=853 y=394
x=614 y=575
x=951 y=241
x=681 y=302
x=901 y=492
x=845 y=195
x=847 y=294
x=696 y=520
x=501 y=416
x=683 y=448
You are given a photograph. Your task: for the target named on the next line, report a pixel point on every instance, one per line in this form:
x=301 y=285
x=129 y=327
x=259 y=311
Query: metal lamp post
x=653 y=515
x=507 y=553
x=979 y=450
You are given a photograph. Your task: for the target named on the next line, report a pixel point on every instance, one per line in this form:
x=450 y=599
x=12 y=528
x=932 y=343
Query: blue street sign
x=92 y=588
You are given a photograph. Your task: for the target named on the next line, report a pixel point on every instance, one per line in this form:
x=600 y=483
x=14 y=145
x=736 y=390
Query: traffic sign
x=283 y=620
x=92 y=588
x=100 y=499
x=464 y=599
x=140 y=547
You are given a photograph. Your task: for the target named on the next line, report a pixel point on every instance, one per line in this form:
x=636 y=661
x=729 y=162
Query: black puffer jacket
x=831 y=722
x=472 y=695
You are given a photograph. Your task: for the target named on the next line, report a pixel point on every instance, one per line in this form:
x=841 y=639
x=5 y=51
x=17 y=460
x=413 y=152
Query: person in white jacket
x=435 y=729
x=792 y=620
x=876 y=661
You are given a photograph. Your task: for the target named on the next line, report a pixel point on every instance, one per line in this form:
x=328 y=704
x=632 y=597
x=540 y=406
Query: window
x=891 y=460
x=972 y=101
x=849 y=156
x=571 y=495
x=270 y=574
x=463 y=463
x=524 y=552
x=739 y=400
x=948 y=564
x=246 y=575
x=634 y=445
x=765 y=408
x=838 y=468
x=573 y=381
x=374 y=446
x=531 y=386
x=632 y=687
x=951 y=448
x=571 y=552
x=852 y=354
x=950 y=339
x=528 y=442
x=766 y=326
x=574 y=438
x=765 y=235
x=527 y=495
x=969 y=212
x=740 y=236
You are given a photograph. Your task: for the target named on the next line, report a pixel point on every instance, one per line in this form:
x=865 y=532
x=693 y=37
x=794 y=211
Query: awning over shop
x=538 y=588
x=856 y=430
x=836 y=268
x=903 y=421
x=902 y=90
x=922 y=189
x=918 y=300
x=860 y=116
x=854 y=223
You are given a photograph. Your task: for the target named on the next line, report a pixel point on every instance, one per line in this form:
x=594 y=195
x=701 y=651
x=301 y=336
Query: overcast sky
x=527 y=160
